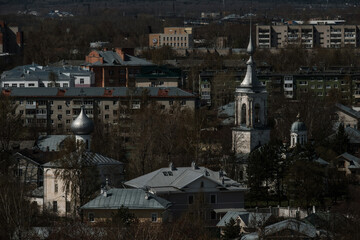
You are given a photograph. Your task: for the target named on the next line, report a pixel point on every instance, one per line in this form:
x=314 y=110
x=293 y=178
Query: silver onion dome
x=82 y=125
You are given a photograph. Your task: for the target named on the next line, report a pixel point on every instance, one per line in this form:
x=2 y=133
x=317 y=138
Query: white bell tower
x=250 y=129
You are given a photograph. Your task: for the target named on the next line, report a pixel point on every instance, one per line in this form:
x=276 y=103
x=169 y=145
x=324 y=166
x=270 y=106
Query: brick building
x=115 y=68
x=11 y=39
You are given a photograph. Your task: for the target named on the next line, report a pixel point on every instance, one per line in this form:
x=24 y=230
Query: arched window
x=257 y=113
x=243 y=114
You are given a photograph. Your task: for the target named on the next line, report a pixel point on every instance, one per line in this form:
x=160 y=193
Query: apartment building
x=56 y=108
x=35 y=75
x=175 y=37
x=307 y=36
x=343 y=80
x=11 y=39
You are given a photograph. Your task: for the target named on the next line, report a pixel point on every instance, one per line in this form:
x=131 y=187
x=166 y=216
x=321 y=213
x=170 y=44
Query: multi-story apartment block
x=176 y=37
x=56 y=108
x=307 y=36
x=11 y=39
x=345 y=81
x=115 y=68
x=39 y=76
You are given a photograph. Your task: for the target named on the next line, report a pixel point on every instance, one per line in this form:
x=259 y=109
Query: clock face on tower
x=154 y=40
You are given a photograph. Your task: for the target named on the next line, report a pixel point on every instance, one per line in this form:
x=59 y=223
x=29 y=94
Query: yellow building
x=176 y=37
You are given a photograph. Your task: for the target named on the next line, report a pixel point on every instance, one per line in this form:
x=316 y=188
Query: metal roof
x=98 y=92
x=251 y=219
x=50 y=142
x=35 y=72
x=354 y=161
x=90 y=159
x=175 y=179
x=291 y=224
x=348 y=110
x=111 y=58
x=129 y=198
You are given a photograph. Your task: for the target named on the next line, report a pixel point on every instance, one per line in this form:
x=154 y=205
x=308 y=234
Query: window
x=106 y=116
x=6 y=85
x=67 y=120
x=55 y=207
x=82 y=81
x=213 y=215
x=106 y=107
x=22 y=85
x=114 y=112
x=68 y=206
x=15 y=85
x=65 y=85
x=212 y=198
x=114 y=102
x=56 y=186
x=59 y=107
x=59 y=116
x=154 y=217
x=171 y=102
x=183 y=102
x=67 y=112
x=91 y=217
x=51 y=103
x=21 y=111
x=190 y=199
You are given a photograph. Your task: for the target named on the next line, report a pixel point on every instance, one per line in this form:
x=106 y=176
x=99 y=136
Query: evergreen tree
x=231 y=230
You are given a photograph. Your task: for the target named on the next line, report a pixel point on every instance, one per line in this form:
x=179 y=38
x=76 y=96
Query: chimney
x=147 y=195
x=193 y=166
x=171 y=167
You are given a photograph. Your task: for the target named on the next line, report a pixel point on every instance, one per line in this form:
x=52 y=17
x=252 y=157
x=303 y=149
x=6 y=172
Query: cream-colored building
x=63 y=190
x=347 y=116
x=175 y=37
x=307 y=36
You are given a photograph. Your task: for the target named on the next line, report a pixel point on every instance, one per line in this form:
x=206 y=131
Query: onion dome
x=298 y=126
x=82 y=125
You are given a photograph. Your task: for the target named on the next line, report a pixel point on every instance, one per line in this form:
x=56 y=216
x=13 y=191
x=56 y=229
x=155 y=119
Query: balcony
x=41 y=116
x=30 y=106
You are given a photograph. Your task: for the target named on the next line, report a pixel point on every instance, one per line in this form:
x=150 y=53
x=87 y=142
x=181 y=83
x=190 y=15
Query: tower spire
x=250 y=80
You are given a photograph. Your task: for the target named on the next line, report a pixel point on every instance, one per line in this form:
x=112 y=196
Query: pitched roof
x=129 y=198
x=90 y=159
x=291 y=224
x=354 y=161
x=111 y=58
x=50 y=143
x=35 y=72
x=175 y=179
x=251 y=219
x=348 y=110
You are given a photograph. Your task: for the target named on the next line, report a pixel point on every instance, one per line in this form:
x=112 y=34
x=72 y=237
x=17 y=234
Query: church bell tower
x=250 y=129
